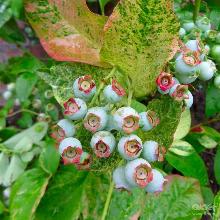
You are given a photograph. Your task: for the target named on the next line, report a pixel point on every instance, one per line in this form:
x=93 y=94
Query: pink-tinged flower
x=143 y=175
x=102 y=149
x=116 y=87
x=71 y=107
x=165 y=81
x=179 y=92
x=86 y=84
x=191 y=58
x=57 y=133
x=71 y=155
x=160 y=153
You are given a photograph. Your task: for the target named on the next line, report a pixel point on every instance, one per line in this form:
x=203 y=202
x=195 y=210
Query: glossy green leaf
x=216 y=207
x=212 y=105
x=217 y=166
x=192 y=166
x=34 y=133
x=169 y=112
x=26 y=194
x=25 y=84
x=68 y=30
x=124 y=204
x=176 y=201
x=63 y=199
x=184 y=125
x=139 y=38
x=49 y=158
x=181 y=148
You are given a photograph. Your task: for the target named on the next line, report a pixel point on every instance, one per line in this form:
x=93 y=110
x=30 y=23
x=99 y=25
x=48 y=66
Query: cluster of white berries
x=192 y=59
x=101 y=121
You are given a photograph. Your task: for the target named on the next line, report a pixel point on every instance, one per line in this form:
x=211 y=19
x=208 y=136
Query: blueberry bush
x=109 y=109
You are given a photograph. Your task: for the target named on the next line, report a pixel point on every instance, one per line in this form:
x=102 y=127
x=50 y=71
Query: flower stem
x=108 y=200
x=20 y=111
x=196 y=9
x=101 y=86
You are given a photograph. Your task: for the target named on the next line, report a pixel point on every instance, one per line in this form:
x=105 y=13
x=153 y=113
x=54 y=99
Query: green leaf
x=49 y=158
x=181 y=148
x=98 y=185
x=26 y=63
x=25 y=84
x=34 y=133
x=63 y=199
x=124 y=204
x=207 y=142
x=16 y=7
x=138 y=106
x=4 y=163
x=23 y=145
x=184 y=125
x=215 y=17
x=11 y=33
x=169 y=112
x=26 y=194
x=5 y=12
x=192 y=166
x=14 y=170
x=102 y=4
x=216 y=207
x=176 y=201
x=2 y=207
x=61 y=78
x=25 y=121
x=217 y=166
x=207 y=195
x=212 y=105
x=138 y=38
x=68 y=31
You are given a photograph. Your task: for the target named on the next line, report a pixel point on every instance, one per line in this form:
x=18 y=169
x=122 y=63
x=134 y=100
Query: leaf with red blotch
x=67 y=29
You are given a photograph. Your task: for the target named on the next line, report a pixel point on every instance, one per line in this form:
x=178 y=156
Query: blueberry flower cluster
x=112 y=130
x=167 y=84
